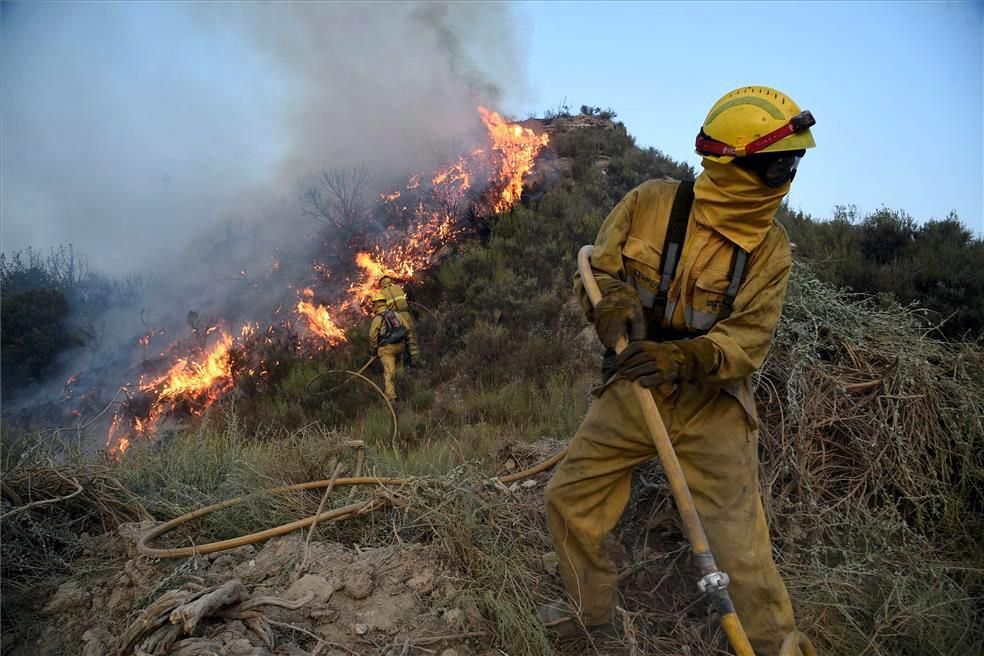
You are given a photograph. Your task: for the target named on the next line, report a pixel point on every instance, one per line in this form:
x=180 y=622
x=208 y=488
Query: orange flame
x=190 y=379
x=200 y=384
x=518 y=147
x=117 y=444
x=318 y=320
x=512 y=154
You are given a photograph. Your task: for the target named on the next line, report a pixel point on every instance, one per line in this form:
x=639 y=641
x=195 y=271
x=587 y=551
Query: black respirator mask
x=773 y=169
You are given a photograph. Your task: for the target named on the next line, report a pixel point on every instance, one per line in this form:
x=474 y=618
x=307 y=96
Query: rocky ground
x=356 y=601
x=402 y=599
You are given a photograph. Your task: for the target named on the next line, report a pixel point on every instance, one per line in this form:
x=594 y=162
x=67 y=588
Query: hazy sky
x=124 y=127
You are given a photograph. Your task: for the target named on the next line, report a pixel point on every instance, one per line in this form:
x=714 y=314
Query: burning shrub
x=418 y=221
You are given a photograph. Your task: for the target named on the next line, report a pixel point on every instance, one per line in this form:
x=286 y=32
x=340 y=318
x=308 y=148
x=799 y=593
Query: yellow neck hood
x=735 y=203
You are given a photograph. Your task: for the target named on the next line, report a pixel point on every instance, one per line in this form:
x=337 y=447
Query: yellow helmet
x=754 y=120
x=386 y=280
x=379 y=297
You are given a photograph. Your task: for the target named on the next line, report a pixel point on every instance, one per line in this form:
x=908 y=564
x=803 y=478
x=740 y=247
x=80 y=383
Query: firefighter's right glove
x=618 y=313
x=659 y=363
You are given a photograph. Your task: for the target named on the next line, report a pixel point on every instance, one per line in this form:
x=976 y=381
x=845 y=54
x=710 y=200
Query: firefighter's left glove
x=618 y=313
x=659 y=363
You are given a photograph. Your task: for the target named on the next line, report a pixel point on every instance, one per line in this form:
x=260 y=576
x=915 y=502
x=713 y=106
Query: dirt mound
x=356 y=601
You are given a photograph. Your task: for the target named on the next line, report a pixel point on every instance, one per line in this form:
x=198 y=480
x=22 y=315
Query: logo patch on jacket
x=639 y=275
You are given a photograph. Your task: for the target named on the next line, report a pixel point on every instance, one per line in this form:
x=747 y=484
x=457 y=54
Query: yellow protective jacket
x=396 y=297
x=629 y=248
x=376 y=325
x=712 y=423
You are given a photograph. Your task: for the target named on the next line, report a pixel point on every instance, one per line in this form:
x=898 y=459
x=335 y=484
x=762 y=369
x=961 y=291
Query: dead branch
x=292 y=627
x=45 y=502
x=178 y=612
x=230 y=592
x=260 y=625
x=339 y=198
x=430 y=640
x=256 y=602
x=359 y=460
x=321 y=507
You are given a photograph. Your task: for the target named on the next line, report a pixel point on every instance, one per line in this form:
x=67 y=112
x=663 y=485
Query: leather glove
x=618 y=313
x=658 y=363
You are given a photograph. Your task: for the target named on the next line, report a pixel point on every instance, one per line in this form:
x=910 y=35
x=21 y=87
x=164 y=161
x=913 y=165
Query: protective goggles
x=800 y=123
x=774 y=169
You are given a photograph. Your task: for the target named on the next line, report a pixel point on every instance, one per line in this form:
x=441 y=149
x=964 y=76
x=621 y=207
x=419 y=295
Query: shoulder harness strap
x=739 y=258
x=676 y=235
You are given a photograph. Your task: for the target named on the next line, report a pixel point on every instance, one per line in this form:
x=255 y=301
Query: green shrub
x=34 y=332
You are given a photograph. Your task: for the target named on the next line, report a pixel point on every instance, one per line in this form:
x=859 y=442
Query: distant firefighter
x=391 y=333
x=396 y=297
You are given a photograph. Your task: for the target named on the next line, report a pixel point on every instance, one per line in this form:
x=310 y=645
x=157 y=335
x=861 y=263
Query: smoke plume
x=127 y=128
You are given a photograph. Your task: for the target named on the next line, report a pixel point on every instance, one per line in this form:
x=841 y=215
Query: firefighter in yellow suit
x=396 y=297
x=390 y=350
x=695 y=358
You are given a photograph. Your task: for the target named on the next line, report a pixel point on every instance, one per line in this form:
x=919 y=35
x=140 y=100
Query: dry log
x=227 y=594
x=152 y=618
x=178 y=612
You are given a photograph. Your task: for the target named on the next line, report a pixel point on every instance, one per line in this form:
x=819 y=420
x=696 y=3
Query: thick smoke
x=126 y=128
x=383 y=84
x=174 y=140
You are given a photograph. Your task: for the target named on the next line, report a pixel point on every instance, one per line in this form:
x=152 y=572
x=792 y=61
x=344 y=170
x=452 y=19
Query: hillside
x=871 y=463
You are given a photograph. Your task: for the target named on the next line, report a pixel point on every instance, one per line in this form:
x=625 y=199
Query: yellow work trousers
x=716 y=443
x=391 y=355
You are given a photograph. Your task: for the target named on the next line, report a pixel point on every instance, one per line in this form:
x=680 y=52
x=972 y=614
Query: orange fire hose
x=337 y=514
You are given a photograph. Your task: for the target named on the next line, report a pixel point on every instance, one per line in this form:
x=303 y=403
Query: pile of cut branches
x=872 y=443
x=48 y=502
